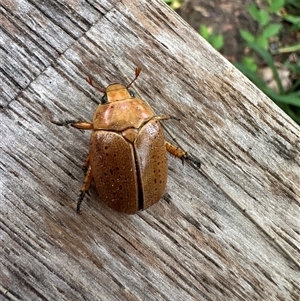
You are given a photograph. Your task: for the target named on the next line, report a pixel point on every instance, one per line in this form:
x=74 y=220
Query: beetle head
x=115 y=92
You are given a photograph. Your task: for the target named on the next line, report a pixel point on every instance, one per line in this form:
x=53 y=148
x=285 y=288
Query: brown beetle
x=128 y=152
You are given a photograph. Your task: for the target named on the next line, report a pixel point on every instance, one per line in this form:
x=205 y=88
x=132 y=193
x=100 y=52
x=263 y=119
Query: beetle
x=127 y=158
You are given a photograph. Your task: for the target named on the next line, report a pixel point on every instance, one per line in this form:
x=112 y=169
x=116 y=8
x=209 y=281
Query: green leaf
x=276 y=5
x=291 y=98
x=217 y=41
x=254 y=12
x=269 y=60
x=249 y=62
x=175 y=4
x=262 y=41
x=271 y=30
x=247 y=35
x=295 y=3
x=295 y=68
x=287 y=49
x=264 y=17
x=292 y=19
x=204 y=32
x=259 y=15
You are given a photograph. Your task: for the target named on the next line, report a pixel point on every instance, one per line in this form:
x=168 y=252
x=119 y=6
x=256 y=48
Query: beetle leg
x=166 y=117
x=63 y=122
x=181 y=154
x=175 y=150
x=86 y=163
x=82 y=125
x=85 y=187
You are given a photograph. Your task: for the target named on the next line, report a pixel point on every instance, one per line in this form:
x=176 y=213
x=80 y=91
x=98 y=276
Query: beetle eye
x=104 y=99
x=132 y=94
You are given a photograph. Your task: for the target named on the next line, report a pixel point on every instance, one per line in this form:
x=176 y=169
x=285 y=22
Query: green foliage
x=287 y=99
x=269 y=22
x=175 y=4
x=260 y=15
x=266 y=28
x=247 y=35
x=216 y=40
x=292 y=4
x=249 y=63
x=276 y=5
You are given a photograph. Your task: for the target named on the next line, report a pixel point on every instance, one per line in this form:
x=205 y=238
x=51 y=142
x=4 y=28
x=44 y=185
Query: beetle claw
x=58 y=122
x=80 y=199
x=63 y=122
x=175 y=118
x=193 y=159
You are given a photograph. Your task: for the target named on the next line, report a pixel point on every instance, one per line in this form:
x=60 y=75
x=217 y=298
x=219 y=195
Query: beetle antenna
x=90 y=81
x=137 y=73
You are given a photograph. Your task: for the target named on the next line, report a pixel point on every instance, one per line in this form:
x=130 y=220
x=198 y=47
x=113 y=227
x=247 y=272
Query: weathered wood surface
x=195 y=244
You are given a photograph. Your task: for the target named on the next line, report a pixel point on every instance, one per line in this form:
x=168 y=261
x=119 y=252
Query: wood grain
x=196 y=243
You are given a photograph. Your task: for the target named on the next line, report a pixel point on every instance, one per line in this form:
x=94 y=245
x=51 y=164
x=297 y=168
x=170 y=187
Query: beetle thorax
x=122 y=114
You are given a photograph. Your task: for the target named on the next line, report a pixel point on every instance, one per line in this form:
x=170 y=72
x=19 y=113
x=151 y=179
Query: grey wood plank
x=195 y=244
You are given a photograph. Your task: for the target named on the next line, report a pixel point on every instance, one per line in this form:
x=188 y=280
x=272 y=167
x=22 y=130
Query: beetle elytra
x=128 y=153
